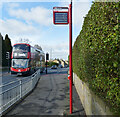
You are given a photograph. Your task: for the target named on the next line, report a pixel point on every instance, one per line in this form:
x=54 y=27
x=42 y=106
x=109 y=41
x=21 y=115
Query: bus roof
x=21 y=43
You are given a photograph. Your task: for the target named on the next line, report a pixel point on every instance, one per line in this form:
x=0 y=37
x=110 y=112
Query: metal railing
x=16 y=90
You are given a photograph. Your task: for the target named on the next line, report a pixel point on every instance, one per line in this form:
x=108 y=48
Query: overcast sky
x=34 y=21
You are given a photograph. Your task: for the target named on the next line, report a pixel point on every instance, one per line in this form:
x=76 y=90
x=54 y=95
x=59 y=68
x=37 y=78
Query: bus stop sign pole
x=63 y=17
x=70 y=53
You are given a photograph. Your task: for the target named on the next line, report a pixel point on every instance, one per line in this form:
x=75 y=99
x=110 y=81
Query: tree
x=50 y=63
x=38 y=47
x=3 y=61
x=1 y=40
x=8 y=44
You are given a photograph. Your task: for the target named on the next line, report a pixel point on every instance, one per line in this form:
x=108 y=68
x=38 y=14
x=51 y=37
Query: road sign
x=60 y=15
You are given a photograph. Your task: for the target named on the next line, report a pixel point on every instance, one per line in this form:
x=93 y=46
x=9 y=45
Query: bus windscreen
x=21 y=48
x=20 y=63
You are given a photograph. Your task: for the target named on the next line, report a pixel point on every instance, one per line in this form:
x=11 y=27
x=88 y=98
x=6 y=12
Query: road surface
x=12 y=80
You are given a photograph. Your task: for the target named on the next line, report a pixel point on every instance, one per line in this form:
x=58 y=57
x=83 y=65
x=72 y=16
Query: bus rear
x=20 y=59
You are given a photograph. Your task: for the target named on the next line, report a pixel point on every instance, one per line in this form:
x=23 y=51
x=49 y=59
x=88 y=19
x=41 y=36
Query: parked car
x=65 y=66
x=54 y=67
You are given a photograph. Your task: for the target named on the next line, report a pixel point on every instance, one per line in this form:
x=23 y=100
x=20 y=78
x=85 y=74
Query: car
x=65 y=66
x=54 y=67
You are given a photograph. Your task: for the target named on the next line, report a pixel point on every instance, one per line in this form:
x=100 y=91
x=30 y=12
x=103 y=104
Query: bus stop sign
x=60 y=15
x=63 y=15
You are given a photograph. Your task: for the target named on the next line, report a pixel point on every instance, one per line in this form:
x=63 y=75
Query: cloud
x=27 y=24
x=38 y=15
x=13 y=5
x=51 y=0
x=80 y=10
x=16 y=30
x=64 y=4
x=58 y=50
x=0 y=9
x=36 y=0
x=84 y=1
x=16 y=27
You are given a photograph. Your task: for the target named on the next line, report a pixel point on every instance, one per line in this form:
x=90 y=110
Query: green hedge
x=52 y=63
x=96 y=52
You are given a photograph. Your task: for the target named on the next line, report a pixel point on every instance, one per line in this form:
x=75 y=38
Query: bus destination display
x=60 y=17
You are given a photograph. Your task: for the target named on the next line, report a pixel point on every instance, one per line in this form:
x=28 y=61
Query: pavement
x=50 y=97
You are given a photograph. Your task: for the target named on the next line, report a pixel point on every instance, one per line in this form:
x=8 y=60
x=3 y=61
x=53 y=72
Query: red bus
x=26 y=58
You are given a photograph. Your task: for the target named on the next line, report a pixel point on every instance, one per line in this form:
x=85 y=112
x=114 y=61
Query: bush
x=52 y=63
x=96 y=52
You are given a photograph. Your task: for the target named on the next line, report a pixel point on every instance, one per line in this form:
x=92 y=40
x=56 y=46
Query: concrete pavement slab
x=50 y=97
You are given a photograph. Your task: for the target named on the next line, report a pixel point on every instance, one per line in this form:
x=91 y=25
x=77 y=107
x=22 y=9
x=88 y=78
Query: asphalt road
x=7 y=77
x=12 y=80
